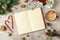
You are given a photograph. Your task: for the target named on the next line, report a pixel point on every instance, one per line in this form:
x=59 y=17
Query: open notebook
x=29 y=21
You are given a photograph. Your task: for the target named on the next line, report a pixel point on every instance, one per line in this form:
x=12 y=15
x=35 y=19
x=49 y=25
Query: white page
x=22 y=22
x=36 y=19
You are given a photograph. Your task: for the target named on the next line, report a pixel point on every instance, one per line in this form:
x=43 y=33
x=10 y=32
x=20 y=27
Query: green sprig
x=9 y=3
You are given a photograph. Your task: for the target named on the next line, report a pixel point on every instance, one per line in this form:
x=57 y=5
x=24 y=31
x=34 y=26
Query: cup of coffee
x=50 y=15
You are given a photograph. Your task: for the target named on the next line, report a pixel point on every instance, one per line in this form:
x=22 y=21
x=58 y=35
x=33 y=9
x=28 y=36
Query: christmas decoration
x=8 y=22
x=2 y=28
x=52 y=33
x=23 y=6
x=25 y=0
x=6 y=5
x=46 y=3
x=43 y=1
x=9 y=34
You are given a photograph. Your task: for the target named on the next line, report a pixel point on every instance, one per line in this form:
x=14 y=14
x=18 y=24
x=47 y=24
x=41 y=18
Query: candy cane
x=8 y=25
x=11 y=20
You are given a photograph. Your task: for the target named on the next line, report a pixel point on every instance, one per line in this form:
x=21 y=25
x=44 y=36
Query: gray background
x=39 y=35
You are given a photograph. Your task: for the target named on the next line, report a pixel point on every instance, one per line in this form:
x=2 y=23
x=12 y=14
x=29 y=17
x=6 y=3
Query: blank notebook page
x=36 y=19
x=22 y=22
x=29 y=21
